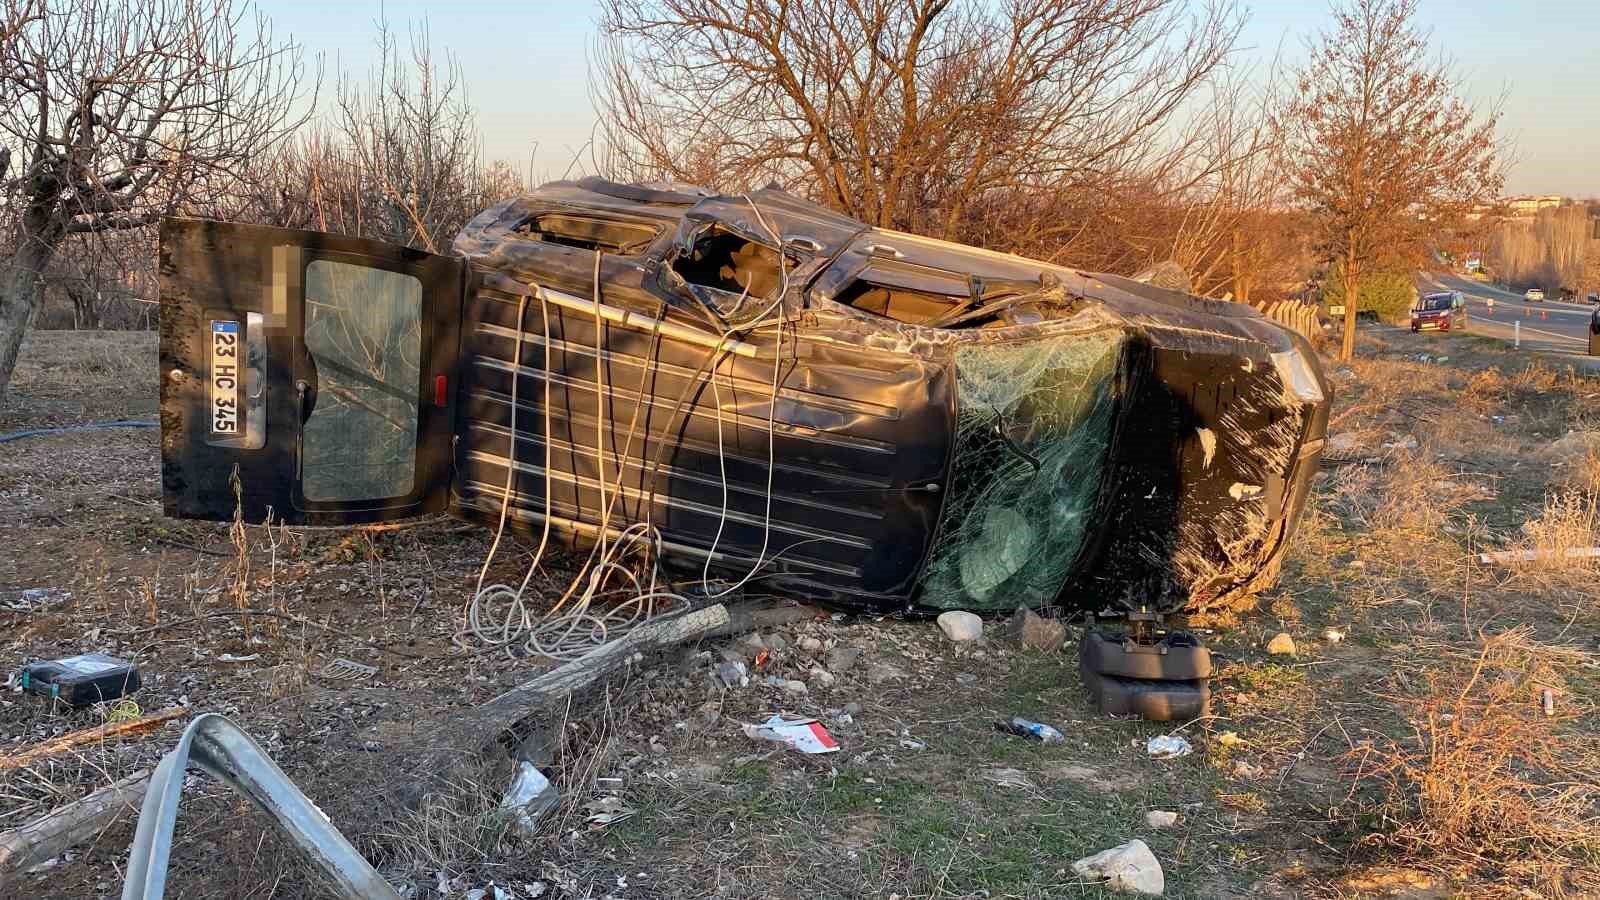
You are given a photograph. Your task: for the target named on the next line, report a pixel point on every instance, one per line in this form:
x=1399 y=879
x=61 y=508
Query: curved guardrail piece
x=218 y=746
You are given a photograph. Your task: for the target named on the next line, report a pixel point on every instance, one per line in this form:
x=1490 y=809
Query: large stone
x=1128 y=867
x=1036 y=632
x=1281 y=645
x=959 y=625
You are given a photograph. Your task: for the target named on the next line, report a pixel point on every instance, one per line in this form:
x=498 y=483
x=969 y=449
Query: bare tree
x=1380 y=148
x=931 y=116
x=399 y=158
x=116 y=112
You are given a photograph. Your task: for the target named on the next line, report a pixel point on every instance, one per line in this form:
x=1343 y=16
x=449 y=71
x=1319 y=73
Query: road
x=1552 y=326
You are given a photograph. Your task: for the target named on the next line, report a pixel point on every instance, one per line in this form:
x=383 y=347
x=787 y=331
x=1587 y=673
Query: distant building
x=1528 y=206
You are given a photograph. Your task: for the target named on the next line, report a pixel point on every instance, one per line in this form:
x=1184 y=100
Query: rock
x=796 y=688
x=1574 y=445
x=810 y=645
x=881 y=672
x=1246 y=771
x=959 y=625
x=1160 y=818
x=842 y=659
x=1130 y=867
x=1281 y=645
x=820 y=677
x=966 y=679
x=1036 y=632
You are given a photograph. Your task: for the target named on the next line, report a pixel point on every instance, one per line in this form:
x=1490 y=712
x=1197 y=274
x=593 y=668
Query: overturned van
x=770 y=390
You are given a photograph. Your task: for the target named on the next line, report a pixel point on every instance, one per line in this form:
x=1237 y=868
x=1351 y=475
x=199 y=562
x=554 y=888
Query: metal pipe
x=627 y=318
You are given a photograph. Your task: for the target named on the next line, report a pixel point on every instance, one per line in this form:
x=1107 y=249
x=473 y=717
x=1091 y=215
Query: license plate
x=224 y=377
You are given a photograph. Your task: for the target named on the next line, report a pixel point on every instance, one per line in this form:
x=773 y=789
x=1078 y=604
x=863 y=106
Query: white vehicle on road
x=1534 y=295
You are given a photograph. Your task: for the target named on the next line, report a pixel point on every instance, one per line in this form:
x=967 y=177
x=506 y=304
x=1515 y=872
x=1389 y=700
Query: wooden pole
x=92 y=735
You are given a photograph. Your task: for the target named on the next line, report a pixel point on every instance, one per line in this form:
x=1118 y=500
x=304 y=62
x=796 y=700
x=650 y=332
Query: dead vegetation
x=1483 y=784
x=1411 y=750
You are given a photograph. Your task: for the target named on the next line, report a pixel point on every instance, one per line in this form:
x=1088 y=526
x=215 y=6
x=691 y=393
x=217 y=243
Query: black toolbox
x=81 y=680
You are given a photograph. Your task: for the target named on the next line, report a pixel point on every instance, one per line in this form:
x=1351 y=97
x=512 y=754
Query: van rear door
x=305 y=376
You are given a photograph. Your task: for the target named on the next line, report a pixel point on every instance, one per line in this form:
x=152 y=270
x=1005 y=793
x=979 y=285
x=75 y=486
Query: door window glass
x=363 y=329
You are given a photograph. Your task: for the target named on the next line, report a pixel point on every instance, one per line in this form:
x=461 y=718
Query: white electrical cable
x=574 y=633
x=577 y=631
x=772 y=410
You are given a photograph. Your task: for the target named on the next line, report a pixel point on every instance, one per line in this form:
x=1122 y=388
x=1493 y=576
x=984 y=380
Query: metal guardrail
x=218 y=746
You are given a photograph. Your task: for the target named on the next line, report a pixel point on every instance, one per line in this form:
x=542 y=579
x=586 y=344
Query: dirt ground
x=1401 y=751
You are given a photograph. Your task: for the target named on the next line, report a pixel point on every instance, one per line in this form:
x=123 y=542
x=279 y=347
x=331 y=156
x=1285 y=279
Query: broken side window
x=916 y=295
x=921 y=295
x=724 y=261
x=587 y=233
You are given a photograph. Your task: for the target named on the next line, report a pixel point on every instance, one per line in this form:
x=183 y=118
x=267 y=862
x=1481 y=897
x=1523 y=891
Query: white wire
x=772 y=410
x=577 y=631
x=574 y=633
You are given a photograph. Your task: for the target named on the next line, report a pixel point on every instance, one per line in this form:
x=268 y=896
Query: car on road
x=1593 y=297
x=1440 y=311
x=1534 y=295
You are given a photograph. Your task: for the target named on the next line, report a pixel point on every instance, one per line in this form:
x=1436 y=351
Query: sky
x=526 y=67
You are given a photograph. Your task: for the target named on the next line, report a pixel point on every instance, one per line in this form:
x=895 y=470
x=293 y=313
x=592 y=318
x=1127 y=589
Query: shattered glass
x=1034 y=427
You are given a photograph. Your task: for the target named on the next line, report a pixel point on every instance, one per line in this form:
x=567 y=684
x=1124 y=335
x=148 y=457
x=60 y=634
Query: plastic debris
x=230 y=658
x=607 y=811
x=1030 y=729
x=734 y=674
x=1168 y=746
x=804 y=735
x=530 y=796
x=1009 y=778
x=347 y=670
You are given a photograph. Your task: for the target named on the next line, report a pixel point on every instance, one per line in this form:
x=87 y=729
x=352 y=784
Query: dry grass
x=1484 y=785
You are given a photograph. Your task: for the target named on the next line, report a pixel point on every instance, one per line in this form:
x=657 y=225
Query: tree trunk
x=1352 y=302
x=19 y=295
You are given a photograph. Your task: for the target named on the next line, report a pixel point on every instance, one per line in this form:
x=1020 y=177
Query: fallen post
x=464 y=736
x=91 y=735
x=1508 y=557
x=65 y=827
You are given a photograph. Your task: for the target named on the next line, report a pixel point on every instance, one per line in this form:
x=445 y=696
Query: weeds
x=1485 y=784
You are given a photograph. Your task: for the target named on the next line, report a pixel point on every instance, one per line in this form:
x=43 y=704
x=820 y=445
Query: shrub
x=1485 y=784
x=1390 y=295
